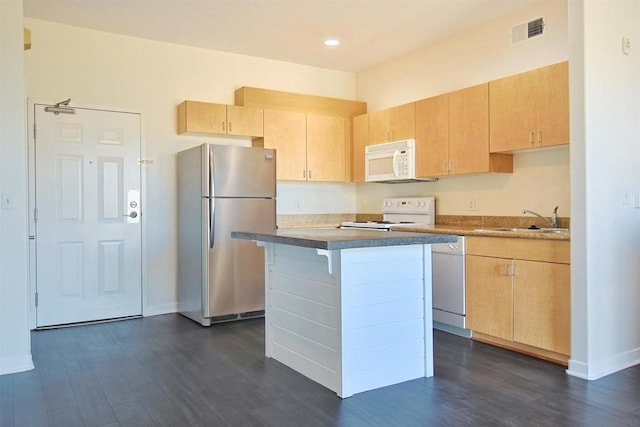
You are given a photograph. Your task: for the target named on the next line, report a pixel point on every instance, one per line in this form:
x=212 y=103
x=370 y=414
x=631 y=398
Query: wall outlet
x=297 y=205
x=474 y=205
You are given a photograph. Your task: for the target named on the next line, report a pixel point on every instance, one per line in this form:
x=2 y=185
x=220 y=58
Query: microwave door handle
x=395 y=163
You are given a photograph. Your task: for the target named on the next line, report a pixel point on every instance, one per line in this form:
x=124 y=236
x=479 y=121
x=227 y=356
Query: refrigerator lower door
x=235 y=268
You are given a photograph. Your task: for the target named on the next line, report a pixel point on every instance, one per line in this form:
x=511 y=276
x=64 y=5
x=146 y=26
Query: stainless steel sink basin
x=525 y=230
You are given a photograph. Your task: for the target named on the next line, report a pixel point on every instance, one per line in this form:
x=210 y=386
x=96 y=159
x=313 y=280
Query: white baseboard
x=155 y=310
x=599 y=369
x=14 y=364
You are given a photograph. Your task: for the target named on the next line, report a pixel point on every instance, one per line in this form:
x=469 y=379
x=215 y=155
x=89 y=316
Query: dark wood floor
x=169 y=371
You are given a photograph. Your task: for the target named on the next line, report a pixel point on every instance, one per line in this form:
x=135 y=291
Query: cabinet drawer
x=514 y=248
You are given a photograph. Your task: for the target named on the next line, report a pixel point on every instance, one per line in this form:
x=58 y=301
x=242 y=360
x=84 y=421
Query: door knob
x=132 y=214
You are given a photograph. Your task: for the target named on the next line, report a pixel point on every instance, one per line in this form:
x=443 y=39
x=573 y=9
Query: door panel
x=88 y=255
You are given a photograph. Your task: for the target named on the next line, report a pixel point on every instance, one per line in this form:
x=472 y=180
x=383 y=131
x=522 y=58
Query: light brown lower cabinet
x=518 y=294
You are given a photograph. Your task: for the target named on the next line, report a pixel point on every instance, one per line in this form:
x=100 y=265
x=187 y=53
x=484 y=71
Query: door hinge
x=36 y=299
x=35 y=215
x=34 y=132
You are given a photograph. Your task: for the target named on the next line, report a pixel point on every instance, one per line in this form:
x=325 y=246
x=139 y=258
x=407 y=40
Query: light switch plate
x=626 y=45
x=7 y=201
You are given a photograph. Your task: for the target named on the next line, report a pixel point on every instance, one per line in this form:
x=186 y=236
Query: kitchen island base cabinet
x=352 y=319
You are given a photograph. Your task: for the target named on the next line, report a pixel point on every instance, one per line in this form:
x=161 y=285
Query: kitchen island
x=350 y=309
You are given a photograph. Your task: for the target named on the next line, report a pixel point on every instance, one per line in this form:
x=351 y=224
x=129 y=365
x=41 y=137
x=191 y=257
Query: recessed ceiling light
x=332 y=42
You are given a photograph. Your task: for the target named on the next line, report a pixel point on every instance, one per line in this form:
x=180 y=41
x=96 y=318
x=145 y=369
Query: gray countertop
x=336 y=239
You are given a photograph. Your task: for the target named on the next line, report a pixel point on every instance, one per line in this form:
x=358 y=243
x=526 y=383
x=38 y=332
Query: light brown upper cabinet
x=432 y=136
x=327 y=148
x=452 y=135
x=392 y=124
x=286 y=132
x=219 y=119
x=359 y=140
x=308 y=147
x=530 y=110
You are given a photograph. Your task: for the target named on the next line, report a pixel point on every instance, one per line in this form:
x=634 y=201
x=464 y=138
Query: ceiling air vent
x=527 y=30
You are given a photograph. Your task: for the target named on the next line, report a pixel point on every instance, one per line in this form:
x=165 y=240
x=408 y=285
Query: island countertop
x=337 y=238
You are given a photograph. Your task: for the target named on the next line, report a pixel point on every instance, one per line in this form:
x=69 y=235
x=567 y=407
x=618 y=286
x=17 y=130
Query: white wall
x=605 y=154
x=15 y=345
x=101 y=69
x=540 y=180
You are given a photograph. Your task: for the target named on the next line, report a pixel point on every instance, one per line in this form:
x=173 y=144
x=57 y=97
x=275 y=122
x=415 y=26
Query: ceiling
x=371 y=31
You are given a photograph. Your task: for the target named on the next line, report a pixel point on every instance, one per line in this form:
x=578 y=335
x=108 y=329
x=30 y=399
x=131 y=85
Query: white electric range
x=398 y=212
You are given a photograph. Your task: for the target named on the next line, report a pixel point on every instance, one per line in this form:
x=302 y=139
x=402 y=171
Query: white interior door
x=87 y=222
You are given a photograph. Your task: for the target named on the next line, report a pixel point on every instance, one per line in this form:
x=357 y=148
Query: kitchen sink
x=525 y=230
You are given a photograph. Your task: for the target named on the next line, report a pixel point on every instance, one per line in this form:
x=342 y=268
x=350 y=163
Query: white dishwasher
x=449 y=287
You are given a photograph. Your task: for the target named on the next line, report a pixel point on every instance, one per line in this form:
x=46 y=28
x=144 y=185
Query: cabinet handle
x=531 y=138
x=223 y=127
x=513 y=270
x=229 y=126
x=540 y=137
x=309 y=174
x=450 y=165
x=506 y=269
x=444 y=166
x=304 y=174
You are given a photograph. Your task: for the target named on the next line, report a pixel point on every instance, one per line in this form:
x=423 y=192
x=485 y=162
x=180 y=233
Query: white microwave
x=392 y=162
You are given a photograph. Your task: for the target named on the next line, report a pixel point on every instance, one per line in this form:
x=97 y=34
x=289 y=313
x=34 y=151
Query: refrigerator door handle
x=212 y=221
x=210 y=191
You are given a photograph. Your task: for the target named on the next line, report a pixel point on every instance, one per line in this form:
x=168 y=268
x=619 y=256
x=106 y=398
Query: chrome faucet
x=554 y=216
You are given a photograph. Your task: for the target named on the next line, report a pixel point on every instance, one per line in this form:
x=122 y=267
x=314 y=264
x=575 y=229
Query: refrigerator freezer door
x=241 y=171
x=235 y=268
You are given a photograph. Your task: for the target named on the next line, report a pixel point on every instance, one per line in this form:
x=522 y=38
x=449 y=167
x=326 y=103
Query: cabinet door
x=379 y=122
x=286 y=132
x=513 y=112
x=489 y=296
x=542 y=305
x=359 y=141
x=402 y=122
x=552 y=105
x=244 y=121
x=530 y=110
x=469 y=130
x=201 y=117
x=326 y=148
x=432 y=136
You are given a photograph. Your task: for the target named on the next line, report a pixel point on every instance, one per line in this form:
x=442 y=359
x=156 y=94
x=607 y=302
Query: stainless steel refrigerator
x=222 y=189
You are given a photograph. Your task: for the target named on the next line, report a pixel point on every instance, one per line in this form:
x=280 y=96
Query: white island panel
x=382 y=316
x=351 y=319
x=302 y=313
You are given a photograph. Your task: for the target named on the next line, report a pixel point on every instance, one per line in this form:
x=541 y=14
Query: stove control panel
x=409 y=205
